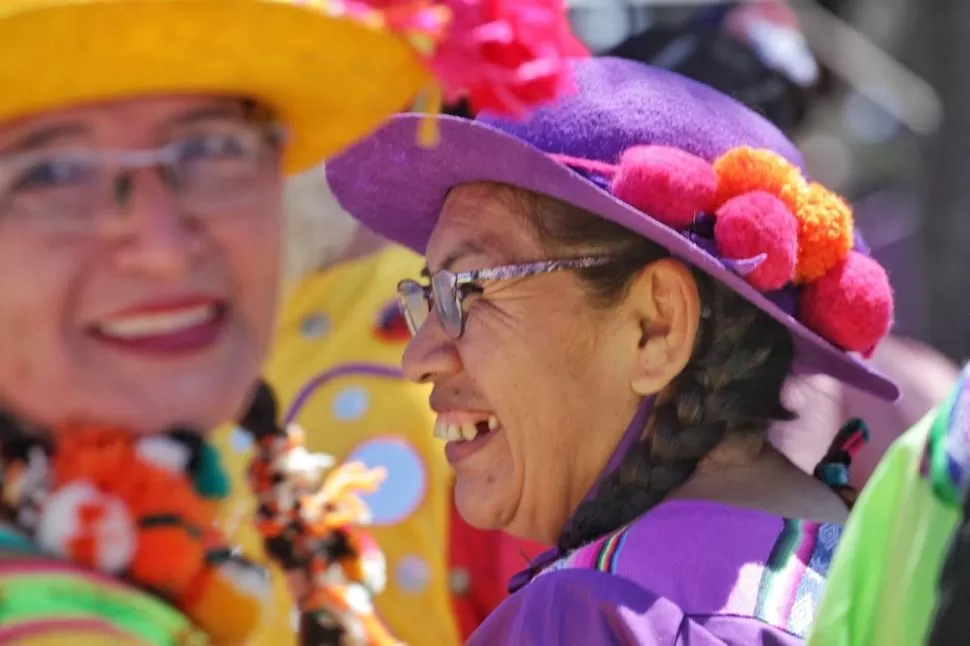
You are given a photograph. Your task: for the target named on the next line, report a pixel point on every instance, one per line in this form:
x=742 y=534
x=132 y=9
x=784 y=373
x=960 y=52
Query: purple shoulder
x=585 y=606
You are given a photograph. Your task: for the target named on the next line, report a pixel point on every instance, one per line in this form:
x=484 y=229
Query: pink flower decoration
x=506 y=56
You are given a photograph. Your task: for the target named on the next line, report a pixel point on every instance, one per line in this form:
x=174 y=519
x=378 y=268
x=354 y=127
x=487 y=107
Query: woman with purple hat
x=617 y=290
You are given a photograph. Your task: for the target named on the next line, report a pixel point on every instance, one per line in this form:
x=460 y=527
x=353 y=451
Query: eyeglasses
x=212 y=170
x=447 y=290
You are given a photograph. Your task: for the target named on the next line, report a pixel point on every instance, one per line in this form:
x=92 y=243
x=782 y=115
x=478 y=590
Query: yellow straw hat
x=332 y=70
x=330 y=77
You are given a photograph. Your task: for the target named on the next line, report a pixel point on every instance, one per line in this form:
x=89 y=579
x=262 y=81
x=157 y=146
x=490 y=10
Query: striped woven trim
x=609 y=551
x=37 y=592
x=946 y=460
x=602 y=554
x=793 y=578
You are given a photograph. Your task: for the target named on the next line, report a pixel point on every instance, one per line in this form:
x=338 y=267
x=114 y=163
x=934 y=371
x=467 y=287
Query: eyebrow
x=45 y=136
x=208 y=113
x=464 y=248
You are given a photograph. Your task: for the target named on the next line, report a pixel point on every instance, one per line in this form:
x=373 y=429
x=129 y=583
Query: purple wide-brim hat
x=396 y=187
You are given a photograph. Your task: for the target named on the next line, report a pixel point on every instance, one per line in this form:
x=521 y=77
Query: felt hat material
x=397 y=188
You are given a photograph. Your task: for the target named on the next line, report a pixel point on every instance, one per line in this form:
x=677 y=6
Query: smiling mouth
x=175 y=329
x=451 y=430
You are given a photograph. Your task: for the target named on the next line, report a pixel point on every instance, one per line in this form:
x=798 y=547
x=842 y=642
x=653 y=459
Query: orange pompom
x=168 y=558
x=92 y=453
x=744 y=169
x=153 y=491
x=824 y=232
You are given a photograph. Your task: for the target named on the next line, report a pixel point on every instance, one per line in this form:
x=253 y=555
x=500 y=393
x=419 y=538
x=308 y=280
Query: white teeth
x=453 y=433
x=468 y=431
x=461 y=432
x=161 y=323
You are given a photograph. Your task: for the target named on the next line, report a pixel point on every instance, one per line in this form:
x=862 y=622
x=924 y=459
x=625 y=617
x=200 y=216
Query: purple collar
x=629 y=438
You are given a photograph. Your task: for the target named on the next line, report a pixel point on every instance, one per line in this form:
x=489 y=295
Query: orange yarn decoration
x=744 y=169
x=173 y=525
x=168 y=556
x=825 y=234
x=83 y=548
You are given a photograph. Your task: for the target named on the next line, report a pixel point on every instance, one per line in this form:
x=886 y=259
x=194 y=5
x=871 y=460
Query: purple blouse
x=688 y=573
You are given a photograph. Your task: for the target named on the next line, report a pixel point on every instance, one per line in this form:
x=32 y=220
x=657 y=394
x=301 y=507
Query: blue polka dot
x=412 y=574
x=404 y=489
x=350 y=404
x=315 y=325
x=240 y=441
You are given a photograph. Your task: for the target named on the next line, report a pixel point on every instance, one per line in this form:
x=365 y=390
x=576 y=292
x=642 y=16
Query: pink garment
x=925 y=377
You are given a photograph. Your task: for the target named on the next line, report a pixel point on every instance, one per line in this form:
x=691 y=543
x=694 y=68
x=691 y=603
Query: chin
x=478 y=509
x=200 y=412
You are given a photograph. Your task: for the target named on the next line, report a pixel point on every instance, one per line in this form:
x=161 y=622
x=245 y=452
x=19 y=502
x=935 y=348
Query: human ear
x=665 y=303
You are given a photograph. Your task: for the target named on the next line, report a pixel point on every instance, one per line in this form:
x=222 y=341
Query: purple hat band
x=397 y=188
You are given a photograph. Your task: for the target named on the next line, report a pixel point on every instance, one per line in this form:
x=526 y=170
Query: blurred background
x=875 y=92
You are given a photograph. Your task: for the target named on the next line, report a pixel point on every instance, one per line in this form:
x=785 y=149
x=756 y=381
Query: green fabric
x=882 y=586
x=32 y=589
x=38 y=596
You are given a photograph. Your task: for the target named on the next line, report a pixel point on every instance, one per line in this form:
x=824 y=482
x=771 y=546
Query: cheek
x=252 y=246
x=519 y=370
x=35 y=303
x=539 y=370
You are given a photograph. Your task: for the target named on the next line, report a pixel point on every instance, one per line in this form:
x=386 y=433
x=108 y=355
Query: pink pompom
x=668 y=184
x=851 y=305
x=759 y=223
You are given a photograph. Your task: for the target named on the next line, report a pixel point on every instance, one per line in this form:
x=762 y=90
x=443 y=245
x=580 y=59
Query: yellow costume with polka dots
x=337 y=359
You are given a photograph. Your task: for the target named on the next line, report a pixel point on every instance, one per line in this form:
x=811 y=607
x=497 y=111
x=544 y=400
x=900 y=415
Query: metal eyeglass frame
x=448 y=289
x=125 y=162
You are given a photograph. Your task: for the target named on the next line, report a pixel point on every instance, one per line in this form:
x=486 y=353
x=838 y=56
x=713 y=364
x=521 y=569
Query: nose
x=431 y=355
x=156 y=238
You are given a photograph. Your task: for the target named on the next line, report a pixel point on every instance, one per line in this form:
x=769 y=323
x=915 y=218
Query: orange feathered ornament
x=126 y=506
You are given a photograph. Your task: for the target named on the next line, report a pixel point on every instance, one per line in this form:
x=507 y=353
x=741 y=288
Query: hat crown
x=620 y=104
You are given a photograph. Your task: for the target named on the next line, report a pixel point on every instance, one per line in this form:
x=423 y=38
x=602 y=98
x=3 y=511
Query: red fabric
x=490 y=558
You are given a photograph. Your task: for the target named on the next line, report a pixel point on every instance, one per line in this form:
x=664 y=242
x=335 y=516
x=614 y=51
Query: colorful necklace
x=144 y=510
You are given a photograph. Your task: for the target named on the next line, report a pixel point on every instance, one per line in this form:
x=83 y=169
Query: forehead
x=128 y=115
x=484 y=221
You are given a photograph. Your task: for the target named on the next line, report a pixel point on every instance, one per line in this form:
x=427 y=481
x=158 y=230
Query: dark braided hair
x=731 y=385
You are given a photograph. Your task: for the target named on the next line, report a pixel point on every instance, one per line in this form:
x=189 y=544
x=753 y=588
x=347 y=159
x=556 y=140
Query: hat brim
x=331 y=79
x=397 y=189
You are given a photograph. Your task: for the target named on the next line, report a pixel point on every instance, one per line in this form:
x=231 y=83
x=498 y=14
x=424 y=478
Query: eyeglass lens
x=207 y=170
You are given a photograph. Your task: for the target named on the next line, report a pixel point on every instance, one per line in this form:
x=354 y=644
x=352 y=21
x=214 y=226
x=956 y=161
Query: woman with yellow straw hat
x=143 y=146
